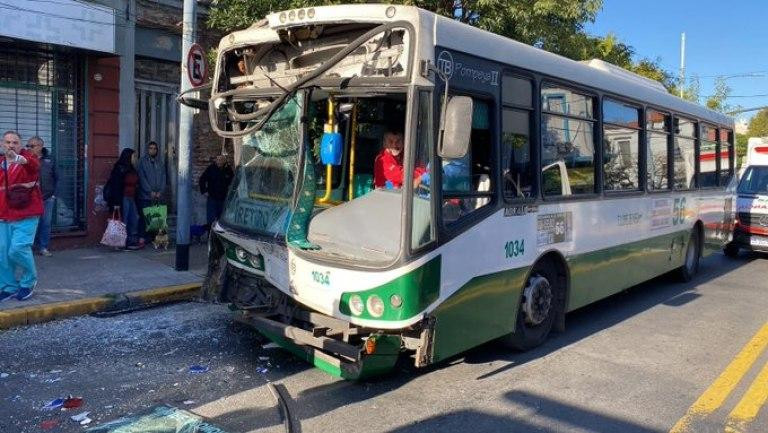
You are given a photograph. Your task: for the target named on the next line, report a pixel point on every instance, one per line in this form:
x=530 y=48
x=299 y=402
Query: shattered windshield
x=262 y=192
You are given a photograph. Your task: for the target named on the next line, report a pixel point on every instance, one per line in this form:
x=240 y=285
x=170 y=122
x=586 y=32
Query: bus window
x=684 y=153
x=516 y=164
x=621 y=140
x=658 y=127
x=726 y=156
x=468 y=182
x=707 y=156
x=567 y=139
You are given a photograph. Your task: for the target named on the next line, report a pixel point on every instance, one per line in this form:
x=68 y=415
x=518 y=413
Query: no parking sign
x=197 y=68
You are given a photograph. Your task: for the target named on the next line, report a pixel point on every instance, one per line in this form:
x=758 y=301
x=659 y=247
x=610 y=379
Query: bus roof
x=458 y=36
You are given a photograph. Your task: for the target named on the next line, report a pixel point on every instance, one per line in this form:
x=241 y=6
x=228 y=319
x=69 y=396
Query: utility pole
x=682 y=63
x=186 y=115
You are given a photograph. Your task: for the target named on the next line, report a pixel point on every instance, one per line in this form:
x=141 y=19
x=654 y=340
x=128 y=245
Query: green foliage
x=741 y=148
x=717 y=100
x=554 y=25
x=758 y=125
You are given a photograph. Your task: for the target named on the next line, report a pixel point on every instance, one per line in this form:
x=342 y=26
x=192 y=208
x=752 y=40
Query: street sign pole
x=186 y=115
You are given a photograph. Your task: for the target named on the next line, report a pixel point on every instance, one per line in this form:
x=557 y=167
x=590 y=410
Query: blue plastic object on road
x=198 y=369
x=53 y=404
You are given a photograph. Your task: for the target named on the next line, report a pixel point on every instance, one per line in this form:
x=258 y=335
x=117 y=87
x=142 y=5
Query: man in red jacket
x=21 y=205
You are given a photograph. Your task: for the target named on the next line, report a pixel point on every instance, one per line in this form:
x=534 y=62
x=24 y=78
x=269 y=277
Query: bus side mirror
x=331 y=148
x=456 y=128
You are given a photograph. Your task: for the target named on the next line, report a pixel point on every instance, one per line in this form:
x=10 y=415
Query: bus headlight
x=255 y=261
x=396 y=301
x=241 y=254
x=356 y=305
x=375 y=306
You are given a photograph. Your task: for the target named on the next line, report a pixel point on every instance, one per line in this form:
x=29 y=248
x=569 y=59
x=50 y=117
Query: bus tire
x=538 y=308
x=692 y=256
x=731 y=250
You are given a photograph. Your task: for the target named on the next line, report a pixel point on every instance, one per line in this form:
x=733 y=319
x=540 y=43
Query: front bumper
x=335 y=357
x=750 y=241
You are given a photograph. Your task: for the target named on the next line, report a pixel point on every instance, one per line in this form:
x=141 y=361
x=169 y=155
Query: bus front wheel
x=692 y=255
x=537 y=310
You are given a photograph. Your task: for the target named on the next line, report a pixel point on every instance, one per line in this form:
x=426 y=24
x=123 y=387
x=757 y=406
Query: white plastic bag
x=116 y=234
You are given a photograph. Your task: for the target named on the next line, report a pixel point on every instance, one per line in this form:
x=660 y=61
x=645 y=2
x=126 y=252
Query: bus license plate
x=758 y=242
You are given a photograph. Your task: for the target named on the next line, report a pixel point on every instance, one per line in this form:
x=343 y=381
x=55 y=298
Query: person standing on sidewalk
x=48 y=183
x=215 y=182
x=151 y=183
x=21 y=205
x=120 y=193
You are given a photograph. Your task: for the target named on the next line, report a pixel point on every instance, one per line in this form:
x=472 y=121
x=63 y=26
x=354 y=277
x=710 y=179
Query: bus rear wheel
x=537 y=310
x=692 y=256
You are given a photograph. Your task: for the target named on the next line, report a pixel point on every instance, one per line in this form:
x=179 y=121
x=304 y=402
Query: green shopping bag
x=155 y=217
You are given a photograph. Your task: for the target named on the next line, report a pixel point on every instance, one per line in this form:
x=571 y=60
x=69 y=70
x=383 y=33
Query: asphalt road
x=660 y=356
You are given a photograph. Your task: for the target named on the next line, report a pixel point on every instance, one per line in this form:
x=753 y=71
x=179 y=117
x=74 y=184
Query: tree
x=758 y=125
x=717 y=100
x=554 y=25
x=741 y=148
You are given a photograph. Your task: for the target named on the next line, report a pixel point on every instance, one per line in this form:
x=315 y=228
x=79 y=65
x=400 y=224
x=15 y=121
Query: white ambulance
x=751 y=230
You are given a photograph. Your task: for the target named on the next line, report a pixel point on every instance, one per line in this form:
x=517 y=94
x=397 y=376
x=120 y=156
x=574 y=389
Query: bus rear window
x=755 y=181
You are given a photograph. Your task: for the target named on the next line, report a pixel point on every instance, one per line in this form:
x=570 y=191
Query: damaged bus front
x=308 y=250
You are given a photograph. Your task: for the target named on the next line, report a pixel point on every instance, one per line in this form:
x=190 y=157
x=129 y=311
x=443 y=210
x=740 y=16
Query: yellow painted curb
x=59 y=310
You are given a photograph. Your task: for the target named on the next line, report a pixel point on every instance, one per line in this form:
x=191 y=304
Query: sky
x=727 y=37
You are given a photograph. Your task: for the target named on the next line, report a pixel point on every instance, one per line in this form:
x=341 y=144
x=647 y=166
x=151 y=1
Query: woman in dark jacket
x=120 y=193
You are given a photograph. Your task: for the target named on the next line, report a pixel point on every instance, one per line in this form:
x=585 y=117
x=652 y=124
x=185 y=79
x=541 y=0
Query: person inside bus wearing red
x=388 y=165
x=21 y=205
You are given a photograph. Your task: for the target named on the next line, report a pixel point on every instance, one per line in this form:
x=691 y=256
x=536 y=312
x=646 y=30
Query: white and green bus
x=531 y=185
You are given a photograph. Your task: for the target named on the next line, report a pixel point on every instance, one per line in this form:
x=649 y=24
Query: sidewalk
x=92 y=275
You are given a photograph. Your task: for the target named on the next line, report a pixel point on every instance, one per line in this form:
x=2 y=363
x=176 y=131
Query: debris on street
x=53 y=404
x=161 y=419
x=198 y=369
x=81 y=418
x=72 y=402
x=49 y=424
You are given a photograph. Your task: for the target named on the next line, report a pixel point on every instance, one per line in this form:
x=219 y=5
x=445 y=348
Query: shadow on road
x=530 y=406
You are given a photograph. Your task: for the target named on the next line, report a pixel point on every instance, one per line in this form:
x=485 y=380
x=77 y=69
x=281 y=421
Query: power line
x=764 y=95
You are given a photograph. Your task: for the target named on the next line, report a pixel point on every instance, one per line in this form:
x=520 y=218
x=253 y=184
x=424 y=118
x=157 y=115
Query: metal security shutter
x=41 y=94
